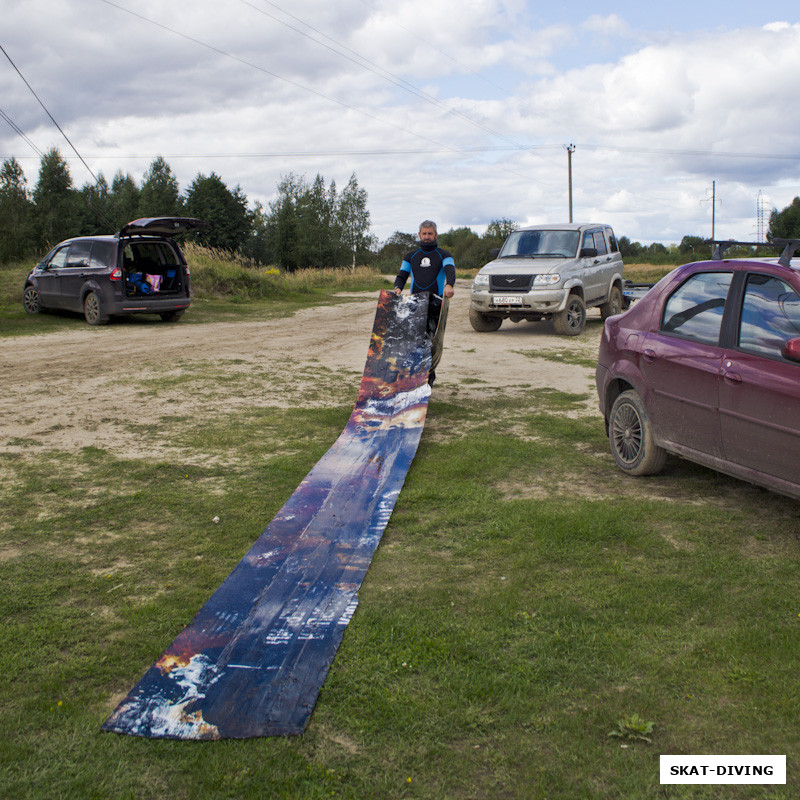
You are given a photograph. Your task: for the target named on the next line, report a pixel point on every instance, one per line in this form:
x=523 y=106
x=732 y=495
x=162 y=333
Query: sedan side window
x=695 y=309
x=770 y=315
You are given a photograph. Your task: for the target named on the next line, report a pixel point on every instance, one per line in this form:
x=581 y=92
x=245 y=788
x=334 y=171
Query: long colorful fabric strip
x=253 y=660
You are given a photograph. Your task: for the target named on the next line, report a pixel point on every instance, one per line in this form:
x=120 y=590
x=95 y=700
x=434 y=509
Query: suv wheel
x=482 y=323
x=631 y=436
x=572 y=320
x=31 y=301
x=93 y=311
x=171 y=316
x=613 y=305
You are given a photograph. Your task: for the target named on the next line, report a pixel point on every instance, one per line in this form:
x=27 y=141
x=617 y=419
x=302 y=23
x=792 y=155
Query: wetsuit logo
x=426 y=262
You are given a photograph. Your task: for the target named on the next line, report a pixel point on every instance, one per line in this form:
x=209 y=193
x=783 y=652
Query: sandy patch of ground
x=85 y=386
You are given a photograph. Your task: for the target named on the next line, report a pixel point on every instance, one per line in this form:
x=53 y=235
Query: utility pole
x=570 y=148
x=713 y=199
x=713 y=207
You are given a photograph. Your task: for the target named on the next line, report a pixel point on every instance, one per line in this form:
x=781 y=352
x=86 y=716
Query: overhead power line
x=364 y=63
x=663 y=151
x=52 y=119
x=305 y=88
x=269 y=72
x=443 y=149
x=20 y=132
x=438 y=49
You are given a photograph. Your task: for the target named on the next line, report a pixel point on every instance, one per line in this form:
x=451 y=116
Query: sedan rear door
x=760 y=390
x=680 y=363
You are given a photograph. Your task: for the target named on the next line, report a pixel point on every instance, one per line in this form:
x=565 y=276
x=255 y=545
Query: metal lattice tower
x=760 y=217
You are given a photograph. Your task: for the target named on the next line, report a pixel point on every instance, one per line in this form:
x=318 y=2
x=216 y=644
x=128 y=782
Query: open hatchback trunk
x=152 y=264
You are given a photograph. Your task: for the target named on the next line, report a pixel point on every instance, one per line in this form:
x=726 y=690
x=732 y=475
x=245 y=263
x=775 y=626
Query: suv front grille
x=509 y=283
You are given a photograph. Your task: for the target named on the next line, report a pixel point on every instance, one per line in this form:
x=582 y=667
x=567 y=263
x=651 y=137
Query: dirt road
x=84 y=386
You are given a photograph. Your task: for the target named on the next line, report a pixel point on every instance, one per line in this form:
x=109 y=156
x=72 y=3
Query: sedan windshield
x=559 y=244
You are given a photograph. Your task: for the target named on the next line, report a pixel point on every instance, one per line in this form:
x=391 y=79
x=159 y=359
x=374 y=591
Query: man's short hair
x=428 y=223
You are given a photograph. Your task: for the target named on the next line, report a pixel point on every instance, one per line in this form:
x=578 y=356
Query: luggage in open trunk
x=153 y=268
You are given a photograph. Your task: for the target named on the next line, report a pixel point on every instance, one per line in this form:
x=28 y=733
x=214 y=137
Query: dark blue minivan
x=140 y=270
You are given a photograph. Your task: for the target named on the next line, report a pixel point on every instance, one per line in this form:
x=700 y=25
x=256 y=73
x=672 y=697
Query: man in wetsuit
x=432 y=270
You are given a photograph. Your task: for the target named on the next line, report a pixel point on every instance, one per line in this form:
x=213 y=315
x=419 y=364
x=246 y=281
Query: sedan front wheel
x=631 y=437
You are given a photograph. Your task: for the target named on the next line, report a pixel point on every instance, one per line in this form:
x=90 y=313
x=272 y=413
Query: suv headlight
x=480 y=280
x=546 y=280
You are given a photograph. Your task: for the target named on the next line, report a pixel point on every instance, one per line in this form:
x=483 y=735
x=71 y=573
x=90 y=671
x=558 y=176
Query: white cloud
x=611 y=25
x=644 y=114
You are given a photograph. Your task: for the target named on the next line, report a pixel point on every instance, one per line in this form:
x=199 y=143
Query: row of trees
x=306 y=226
x=469 y=250
x=312 y=226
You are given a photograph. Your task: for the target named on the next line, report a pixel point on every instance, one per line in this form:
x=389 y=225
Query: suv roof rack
x=789 y=248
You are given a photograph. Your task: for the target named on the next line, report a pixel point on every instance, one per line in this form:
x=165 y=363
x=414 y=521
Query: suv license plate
x=507 y=300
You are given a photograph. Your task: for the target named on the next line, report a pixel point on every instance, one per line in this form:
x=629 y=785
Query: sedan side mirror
x=589 y=252
x=791 y=349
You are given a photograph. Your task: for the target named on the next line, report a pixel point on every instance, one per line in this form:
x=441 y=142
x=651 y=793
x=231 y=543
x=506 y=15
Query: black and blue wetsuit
x=430 y=269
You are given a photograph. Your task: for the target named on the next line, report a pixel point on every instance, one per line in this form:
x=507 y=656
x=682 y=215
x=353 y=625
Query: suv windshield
x=561 y=244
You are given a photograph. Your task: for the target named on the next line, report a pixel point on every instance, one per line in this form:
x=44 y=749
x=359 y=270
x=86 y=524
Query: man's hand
x=397 y=291
x=449 y=291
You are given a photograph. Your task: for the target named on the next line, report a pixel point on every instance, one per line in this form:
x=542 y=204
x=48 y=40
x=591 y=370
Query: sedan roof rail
x=789 y=248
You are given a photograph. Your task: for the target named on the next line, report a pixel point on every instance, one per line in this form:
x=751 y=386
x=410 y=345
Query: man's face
x=427 y=235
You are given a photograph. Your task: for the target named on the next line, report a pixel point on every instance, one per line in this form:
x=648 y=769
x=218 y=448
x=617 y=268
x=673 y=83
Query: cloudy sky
x=459 y=111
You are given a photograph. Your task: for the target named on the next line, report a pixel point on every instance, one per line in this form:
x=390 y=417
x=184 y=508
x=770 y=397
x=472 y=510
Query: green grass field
x=222 y=291
x=527 y=602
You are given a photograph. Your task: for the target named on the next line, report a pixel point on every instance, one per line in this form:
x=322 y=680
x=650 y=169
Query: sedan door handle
x=649 y=355
x=732 y=377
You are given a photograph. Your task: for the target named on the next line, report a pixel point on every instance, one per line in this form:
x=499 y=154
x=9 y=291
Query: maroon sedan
x=707 y=366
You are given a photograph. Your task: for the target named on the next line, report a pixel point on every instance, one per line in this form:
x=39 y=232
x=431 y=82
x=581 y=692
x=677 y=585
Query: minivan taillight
x=116 y=275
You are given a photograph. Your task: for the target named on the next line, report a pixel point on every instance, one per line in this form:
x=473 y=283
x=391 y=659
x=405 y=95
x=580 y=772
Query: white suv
x=549 y=272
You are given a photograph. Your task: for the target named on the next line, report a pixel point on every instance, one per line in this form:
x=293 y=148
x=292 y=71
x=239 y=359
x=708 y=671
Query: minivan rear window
x=79 y=254
x=102 y=254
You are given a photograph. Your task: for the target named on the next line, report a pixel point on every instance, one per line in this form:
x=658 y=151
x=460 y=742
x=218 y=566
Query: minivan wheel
x=483 y=323
x=31 y=301
x=631 y=436
x=93 y=311
x=572 y=320
x=613 y=305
